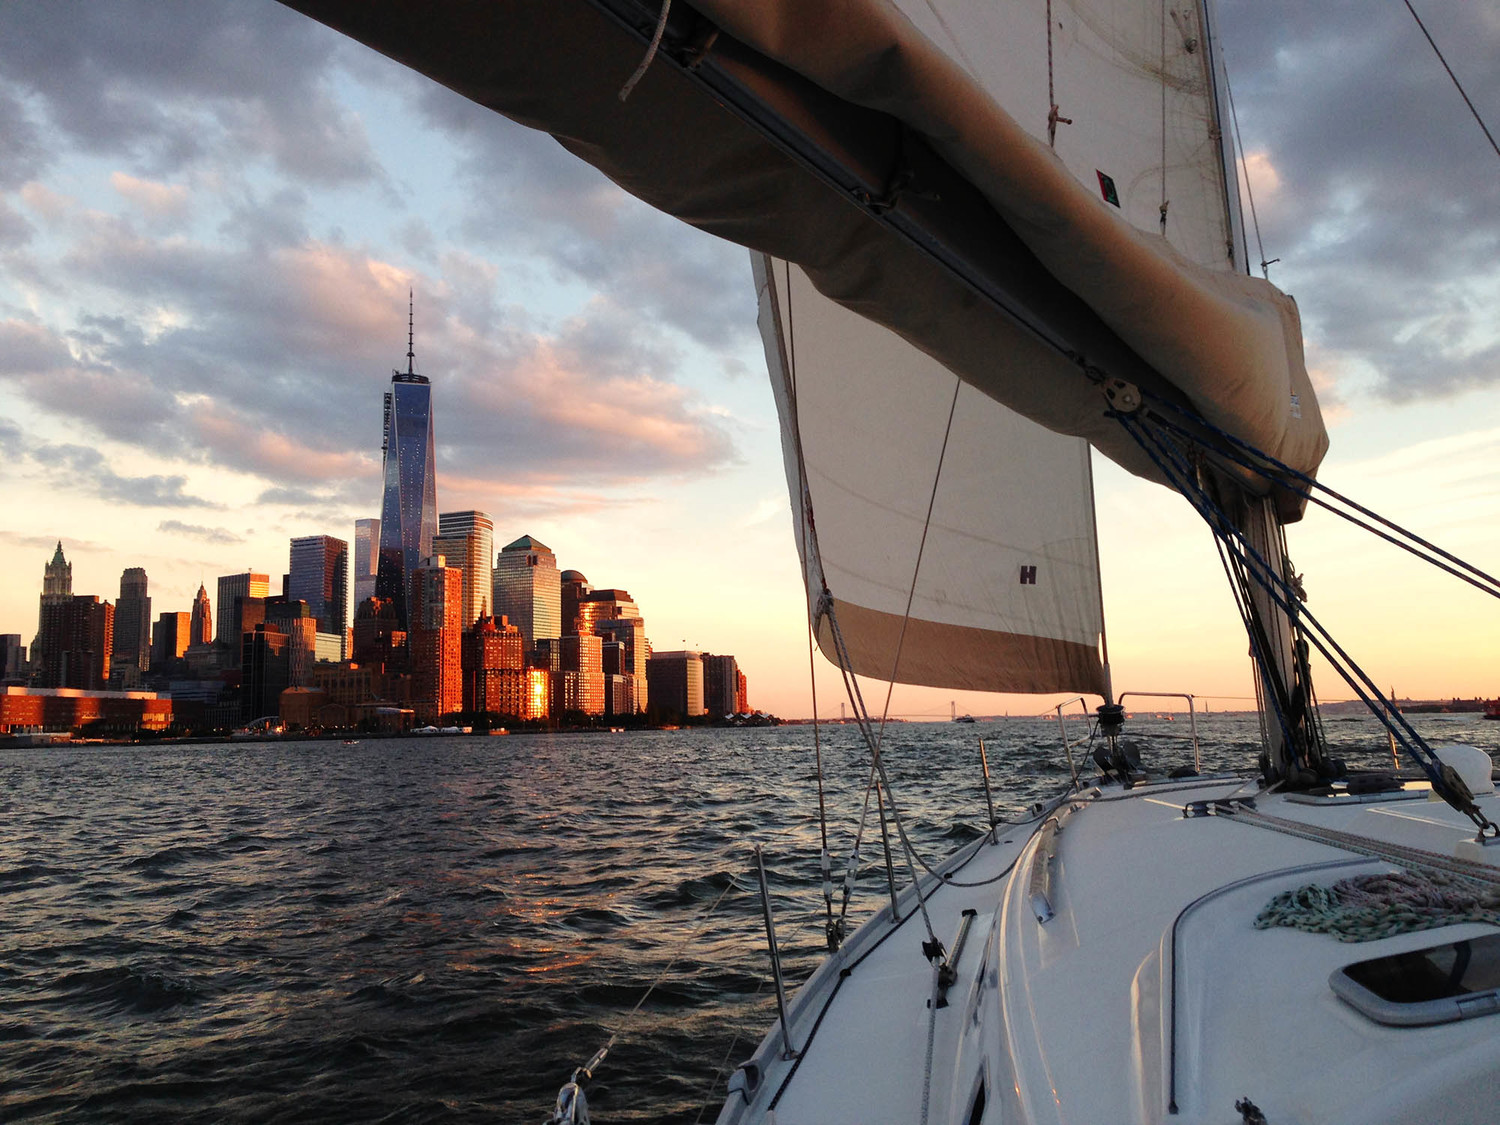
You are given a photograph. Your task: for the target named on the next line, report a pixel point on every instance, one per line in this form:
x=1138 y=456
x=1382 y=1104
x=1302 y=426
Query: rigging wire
x=1444 y=781
x=1248 y=457
x=1239 y=143
x=1459 y=86
x=834 y=931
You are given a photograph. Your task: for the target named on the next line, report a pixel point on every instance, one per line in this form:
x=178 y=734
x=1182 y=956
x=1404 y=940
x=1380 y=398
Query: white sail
x=843 y=135
x=1006 y=597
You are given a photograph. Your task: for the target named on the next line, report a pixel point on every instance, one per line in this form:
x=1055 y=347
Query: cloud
x=163 y=202
x=1385 y=206
x=229 y=289
x=528 y=196
x=215 y=535
x=84 y=469
x=168 y=84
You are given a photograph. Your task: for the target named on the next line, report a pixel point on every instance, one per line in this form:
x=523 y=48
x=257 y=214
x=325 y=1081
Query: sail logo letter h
x=1028 y=576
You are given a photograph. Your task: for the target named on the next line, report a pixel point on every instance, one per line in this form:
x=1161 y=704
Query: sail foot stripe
x=962 y=657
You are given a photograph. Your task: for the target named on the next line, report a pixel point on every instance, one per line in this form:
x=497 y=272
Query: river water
x=440 y=929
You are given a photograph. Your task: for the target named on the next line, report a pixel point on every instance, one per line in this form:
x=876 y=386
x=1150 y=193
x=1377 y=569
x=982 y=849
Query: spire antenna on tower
x=410 y=308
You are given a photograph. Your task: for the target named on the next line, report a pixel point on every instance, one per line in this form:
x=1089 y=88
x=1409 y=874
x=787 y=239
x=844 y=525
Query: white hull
x=1148 y=995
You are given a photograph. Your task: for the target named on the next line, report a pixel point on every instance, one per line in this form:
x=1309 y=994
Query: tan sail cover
x=1007 y=594
x=970 y=76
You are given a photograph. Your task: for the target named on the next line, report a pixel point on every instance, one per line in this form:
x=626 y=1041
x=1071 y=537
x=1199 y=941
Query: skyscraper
x=169 y=641
x=132 y=624
x=201 y=625
x=435 y=640
x=242 y=600
x=675 y=681
x=494 y=668
x=80 y=631
x=467 y=539
x=528 y=589
x=366 y=556
x=319 y=576
x=408 y=509
x=12 y=656
x=57 y=589
x=721 y=685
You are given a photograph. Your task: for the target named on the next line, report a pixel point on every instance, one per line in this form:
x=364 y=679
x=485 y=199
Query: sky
x=211 y=215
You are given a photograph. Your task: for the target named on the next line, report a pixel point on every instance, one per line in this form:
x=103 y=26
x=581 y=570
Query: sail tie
x=1053 y=117
x=640 y=71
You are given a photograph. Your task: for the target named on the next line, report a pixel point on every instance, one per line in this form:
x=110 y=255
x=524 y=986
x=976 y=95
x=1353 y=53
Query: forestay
x=1007 y=594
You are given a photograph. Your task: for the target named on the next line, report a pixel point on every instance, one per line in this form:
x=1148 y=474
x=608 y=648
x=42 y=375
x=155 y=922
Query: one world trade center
x=408 y=509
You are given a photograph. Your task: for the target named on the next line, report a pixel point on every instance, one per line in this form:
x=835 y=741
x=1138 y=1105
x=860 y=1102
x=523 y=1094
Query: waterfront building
x=537 y=695
x=434 y=641
x=494 y=663
x=12 y=657
x=675 y=683
x=527 y=589
x=80 y=633
x=366 y=556
x=467 y=540
x=624 y=695
x=319 y=576
x=742 y=695
x=241 y=600
x=379 y=638
x=578 y=673
x=169 y=641
x=96 y=713
x=201 y=626
x=721 y=682
x=408 y=510
x=347 y=686
x=132 y=642
x=629 y=634
x=265 y=669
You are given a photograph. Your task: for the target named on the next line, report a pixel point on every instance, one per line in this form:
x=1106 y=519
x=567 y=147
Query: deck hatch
x=1454 y=981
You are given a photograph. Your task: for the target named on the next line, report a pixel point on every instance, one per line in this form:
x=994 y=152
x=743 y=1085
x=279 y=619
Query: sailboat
x=985 y=238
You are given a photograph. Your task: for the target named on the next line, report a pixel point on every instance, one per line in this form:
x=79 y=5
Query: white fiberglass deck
x=1148 y=995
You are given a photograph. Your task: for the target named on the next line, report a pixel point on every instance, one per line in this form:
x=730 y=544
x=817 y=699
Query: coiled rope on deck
x=1369 y=907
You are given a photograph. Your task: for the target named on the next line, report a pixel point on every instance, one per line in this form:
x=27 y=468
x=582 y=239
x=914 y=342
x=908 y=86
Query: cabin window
x=1453 y=981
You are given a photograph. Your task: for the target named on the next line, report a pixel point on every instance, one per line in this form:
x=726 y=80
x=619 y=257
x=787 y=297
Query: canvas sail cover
x=1006 y=597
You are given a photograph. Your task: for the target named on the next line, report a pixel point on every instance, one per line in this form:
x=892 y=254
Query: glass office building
x=319 y=576
x=467 y=539
x=408 y=512
x=366 y=554
x=527 y=589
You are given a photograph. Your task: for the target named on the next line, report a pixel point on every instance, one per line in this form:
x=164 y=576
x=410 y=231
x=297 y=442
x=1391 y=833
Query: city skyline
x=205 y=266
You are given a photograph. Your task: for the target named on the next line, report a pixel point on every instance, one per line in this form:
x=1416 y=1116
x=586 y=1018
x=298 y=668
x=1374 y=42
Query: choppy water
x=441 y=929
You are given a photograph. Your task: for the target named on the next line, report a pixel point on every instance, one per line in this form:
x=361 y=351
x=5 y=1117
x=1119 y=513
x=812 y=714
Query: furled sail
x=897 y=152
x=1006 y=597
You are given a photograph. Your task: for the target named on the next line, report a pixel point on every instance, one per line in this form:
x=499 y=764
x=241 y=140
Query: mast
x=1282 y=677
